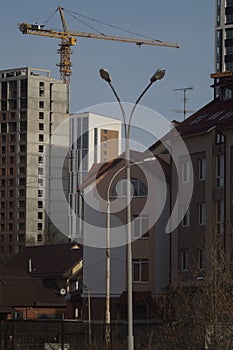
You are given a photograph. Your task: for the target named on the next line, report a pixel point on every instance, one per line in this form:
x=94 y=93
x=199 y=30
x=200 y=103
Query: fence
x=72 y=335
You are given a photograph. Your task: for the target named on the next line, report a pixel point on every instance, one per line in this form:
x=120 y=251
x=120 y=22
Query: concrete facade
x=32 y=107
x=150 y=246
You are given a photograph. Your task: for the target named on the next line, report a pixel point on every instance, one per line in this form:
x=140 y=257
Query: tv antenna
x=184 y=100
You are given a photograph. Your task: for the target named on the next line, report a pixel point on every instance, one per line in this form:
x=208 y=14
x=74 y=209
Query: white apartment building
x=93 y=139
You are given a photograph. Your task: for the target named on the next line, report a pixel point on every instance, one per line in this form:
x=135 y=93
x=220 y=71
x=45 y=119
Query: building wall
x=150 y=253
x=94 y=139
x=202 y=235
x=32 y=106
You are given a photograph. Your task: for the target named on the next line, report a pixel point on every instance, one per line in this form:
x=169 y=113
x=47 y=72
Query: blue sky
x=189 y=23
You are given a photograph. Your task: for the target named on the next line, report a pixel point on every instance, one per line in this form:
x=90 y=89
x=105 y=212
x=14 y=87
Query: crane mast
x=68 y=39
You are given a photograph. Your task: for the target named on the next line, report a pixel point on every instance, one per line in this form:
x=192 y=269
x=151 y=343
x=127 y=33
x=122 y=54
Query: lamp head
x=158 y=75
x=105 y=75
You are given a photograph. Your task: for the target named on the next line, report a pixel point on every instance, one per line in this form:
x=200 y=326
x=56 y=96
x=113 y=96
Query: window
x=21 y=226
x=40 y=193
x=140 y=227
x=41 y=137
x=185 y=214
x=201 y=214
x=12 y=148
x=41 y=115
x=39 y=215
x=39 y=238
x=220 y=170
x=219 y=138
x=140 y=270
x=21 y=204
x=21 y=170
x=184 y=259
x=138 y=188
x=200 y=258
x=40 y=171
x=21 y=192
x=41 y=104
x=22 y=148
x=12 y=127
x=220 y=216
x=39 y=226
x=3 y=128
x=22 y=159
x=21 y=214
x=40 y=160
x=185 y=171
x=41 y=148
x=41 y=126
x=40 y=182
x=23 y=126
x=202 y=169
x=40 y=204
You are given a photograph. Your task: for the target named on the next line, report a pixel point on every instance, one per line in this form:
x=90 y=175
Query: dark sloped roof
x=217 y=113
x=99 y=169
x=20 y=291
x=47 y=259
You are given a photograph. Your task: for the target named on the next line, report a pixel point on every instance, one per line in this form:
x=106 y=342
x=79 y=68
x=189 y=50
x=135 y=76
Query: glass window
x=138 y=188
x=140 y=227
x=201 y=213
x=185 y=214
x=184 y=259
x=185 y=171
x=220 y=170
x=220 y=216
x=202 y=169
x=200 y=258
x=140 y=270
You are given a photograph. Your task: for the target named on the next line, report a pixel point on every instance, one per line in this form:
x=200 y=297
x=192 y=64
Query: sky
x=188 y=23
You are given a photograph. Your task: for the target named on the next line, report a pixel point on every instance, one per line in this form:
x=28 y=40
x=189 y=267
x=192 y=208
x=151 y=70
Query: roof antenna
x=185 y=100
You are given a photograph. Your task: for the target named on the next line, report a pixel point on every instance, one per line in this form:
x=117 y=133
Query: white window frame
x=220 y=170
x=184 y=259
x=138 y=227
x=185 y=214
x=202 y=169
x=201 y=258
x=185 y=171
x=140 y=262
x=220 y=209
x=201 y=213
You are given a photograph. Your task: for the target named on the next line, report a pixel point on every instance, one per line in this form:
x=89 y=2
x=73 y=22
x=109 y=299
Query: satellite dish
x=63 y=291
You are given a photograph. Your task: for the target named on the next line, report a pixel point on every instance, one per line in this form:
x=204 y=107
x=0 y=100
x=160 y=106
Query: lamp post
x=108 y=227
x=158 y=75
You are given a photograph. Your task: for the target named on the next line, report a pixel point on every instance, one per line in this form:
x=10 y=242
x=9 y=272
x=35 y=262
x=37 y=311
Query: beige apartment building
x=205 y=222
x=32 y=105
x=150 y=244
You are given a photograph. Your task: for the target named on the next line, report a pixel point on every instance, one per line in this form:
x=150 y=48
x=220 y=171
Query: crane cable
x=72 y=13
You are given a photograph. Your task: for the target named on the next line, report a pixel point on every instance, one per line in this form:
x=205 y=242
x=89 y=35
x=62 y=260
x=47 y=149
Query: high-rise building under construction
x=32 y=105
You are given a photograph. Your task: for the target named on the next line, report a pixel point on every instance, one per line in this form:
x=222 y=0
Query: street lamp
x=158 y=75
x=108 y=227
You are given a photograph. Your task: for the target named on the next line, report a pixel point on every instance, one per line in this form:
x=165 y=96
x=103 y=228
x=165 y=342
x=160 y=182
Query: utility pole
x=184 y=98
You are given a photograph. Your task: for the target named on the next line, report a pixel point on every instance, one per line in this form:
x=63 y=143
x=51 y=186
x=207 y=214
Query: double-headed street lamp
x=158 y=75
x=108 y=227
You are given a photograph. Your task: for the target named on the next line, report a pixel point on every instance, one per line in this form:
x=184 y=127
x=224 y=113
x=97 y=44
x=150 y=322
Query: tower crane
x=68 y=39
